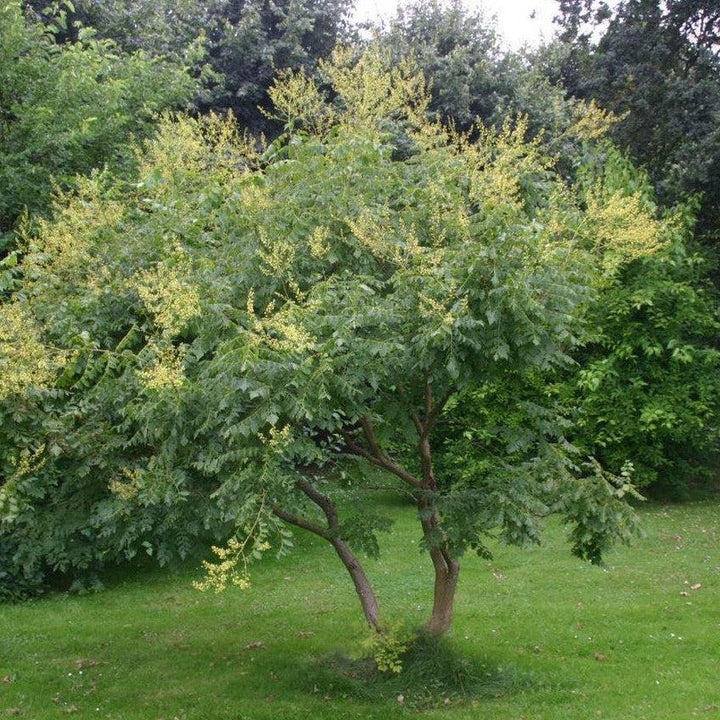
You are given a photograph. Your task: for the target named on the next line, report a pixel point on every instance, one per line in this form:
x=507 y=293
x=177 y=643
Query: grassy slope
x=583 y=642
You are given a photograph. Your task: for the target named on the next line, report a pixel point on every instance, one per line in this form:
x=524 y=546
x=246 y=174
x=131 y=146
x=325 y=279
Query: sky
x=519 y=21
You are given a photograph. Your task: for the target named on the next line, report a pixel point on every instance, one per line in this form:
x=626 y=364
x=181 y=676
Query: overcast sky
x=519 y=21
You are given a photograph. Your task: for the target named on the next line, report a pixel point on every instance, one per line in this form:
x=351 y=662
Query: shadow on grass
x=434 y=674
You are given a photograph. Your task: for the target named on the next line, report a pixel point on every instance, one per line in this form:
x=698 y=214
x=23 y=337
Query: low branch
x=322 y=501
x=435 y=411
x=300 y=522
x=383 y=462
x=418 y=424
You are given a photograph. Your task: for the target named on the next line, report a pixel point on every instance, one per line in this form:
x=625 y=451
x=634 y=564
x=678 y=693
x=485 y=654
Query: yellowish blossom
x=374 y=87
x=166 y=368
x=277 y=255
x=169 y=295
x=25 y=362
x=318 y=242
x=622 y=227
x=231 y=567
x=128 y=488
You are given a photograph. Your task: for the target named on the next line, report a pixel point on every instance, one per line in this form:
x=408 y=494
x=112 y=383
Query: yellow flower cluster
x=166 y=369
x=432 y=309
x=296 y=97
x=591 y=121
x=622 y=227
x=169 y=296
x=317 y=242
x=24 y=361
x=231 y=568
x=373 y=234
x=185 y=146
x=277 y=330
x=63 y=241
x=277 y=255
x=277 y=440
x=29 y=463
x=126 y=490
x=374 y=87
x=501 y=159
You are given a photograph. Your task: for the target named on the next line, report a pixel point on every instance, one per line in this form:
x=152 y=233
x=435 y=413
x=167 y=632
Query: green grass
x=541 y=635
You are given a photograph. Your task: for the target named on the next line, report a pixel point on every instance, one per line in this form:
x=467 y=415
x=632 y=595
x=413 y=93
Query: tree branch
x=300 y=522
x=370 y=436
x=383 y=462
x=436 y=410
x=322 y=501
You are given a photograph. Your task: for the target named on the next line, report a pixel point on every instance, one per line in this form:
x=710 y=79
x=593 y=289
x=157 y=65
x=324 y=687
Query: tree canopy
x=248 y=337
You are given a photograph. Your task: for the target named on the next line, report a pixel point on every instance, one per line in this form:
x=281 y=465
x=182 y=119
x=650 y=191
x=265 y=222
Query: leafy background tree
x=656 y=65
x=245 y=42
x=66 y=109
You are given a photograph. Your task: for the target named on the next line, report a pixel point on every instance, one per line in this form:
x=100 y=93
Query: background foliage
x=66 y=109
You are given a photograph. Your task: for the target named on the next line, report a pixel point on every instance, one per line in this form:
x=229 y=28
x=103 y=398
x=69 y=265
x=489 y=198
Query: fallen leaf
x=600 y=657
x=401 y=698
x=305 y=633
x=8 y=679
x=255 y=646
x=696 y=586
x=684 y=593
x=13 y=711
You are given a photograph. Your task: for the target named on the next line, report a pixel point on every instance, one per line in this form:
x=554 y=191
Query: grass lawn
x=554 y=637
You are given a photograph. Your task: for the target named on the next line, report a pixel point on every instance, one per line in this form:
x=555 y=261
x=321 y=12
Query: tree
x=656 y=65
x=459 y=53
x=265 y=337
x=65 y=110
x=244 y=42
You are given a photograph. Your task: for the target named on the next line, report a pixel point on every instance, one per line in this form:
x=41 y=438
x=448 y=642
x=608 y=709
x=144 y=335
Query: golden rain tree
x=246 y=338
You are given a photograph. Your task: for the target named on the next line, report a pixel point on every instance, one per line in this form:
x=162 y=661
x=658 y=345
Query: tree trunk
x=446 y=577
x=446 y=566
x=362 y=585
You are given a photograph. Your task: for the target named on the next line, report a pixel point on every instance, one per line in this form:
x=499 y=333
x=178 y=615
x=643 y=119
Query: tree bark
x=362 y=585
x=447 y=567
x=446 y=577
